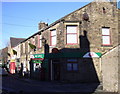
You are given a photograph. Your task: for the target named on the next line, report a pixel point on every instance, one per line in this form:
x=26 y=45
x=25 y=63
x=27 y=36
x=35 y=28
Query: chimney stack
x=42 y=25
x=114 y=2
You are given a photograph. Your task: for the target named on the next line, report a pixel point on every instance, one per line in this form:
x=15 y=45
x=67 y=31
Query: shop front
x=36 y=66
x=12 y=67
x=66 y=66
x=75 y=66
x=12 y=64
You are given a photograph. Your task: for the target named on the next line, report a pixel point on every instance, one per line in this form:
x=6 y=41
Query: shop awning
x=74 y=55
x=67 y=55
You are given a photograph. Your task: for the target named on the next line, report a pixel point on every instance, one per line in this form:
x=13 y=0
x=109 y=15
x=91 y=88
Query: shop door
x=56 y=71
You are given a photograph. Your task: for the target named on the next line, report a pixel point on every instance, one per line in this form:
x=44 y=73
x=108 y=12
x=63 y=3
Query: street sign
x=37 y=56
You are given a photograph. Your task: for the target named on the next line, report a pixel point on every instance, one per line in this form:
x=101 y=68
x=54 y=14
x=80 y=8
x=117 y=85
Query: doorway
x=56 y=71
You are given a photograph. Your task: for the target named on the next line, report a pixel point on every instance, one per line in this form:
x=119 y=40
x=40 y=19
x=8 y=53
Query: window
x=72 y=65
x=39 y=41
x=72 y=35
x=33 y=40
x=28 y=46
x=23 y=47
x=53 y=38
x=106 y=36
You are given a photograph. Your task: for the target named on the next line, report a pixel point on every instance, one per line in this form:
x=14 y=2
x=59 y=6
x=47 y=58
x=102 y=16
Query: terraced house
x=70 y=49
x=81 y=37
x=14 y=53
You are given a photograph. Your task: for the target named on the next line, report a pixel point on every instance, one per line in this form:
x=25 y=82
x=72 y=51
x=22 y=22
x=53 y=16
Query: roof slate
x=15 y=41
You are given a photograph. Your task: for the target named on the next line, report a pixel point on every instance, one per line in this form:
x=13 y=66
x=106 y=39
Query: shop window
x=72 y=34
x=53 y=38
x=72 y=65
x=106 y=36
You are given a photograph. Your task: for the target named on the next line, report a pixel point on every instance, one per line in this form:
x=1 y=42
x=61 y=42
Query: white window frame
x=53 y=37
x=106 y=39
x=70 y=33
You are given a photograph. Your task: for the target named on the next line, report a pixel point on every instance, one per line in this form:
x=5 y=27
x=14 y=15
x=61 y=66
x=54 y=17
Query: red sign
x=37 y=58
x=12 y=67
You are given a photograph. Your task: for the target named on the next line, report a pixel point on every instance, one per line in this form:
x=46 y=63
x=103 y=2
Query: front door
x=56 y=71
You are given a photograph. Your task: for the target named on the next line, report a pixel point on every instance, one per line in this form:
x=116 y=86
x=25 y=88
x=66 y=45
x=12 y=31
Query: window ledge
x=107 y=45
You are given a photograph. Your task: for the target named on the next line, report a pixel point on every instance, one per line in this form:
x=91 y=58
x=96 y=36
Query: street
x=22 y=85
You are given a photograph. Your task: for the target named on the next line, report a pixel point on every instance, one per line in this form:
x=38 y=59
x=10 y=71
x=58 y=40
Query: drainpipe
x=51 y=70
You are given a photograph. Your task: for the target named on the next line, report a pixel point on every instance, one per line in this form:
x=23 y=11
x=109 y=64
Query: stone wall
x=119 y=51
x=110 y=70
x=119 y=69
x=86 y=71
x=97 y=20
x=100 y=15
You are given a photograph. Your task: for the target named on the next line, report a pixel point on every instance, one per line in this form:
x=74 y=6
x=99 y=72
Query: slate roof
x=15 y=41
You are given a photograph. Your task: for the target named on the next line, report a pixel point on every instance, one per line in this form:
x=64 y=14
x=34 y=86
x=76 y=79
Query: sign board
x=37 y=56
x=12 y=60
x=36 y=61
x=12 y=67
x=91 y=55
x=31 y=56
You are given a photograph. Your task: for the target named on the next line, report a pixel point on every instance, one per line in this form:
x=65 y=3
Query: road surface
x=13 y=84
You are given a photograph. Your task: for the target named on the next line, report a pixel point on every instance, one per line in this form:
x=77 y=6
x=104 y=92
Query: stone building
x=13 y=43
x=70 y=49
x=3 y=56
x=13 y=56
x=111 y=66
x=81 y=38
x=30 y=49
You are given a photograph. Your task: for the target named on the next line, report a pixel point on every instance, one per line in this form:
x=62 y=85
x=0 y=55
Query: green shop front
x=74 y=67
x=36 y=66
x=67 y=66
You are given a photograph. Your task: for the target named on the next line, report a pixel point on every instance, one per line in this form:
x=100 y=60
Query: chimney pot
x=42 y=25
